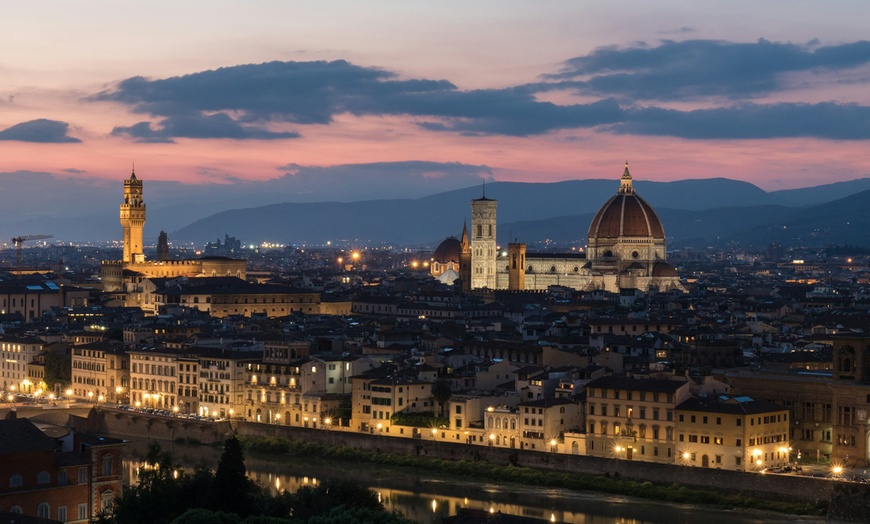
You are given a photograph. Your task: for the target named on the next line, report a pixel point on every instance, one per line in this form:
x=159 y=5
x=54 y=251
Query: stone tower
x=162 y=246
x=465 y=260
x=517 y=267
x=483 y=247
x=133 y=219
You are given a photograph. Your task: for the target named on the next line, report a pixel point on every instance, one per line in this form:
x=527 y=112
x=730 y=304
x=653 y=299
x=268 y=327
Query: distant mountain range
x=694 y=212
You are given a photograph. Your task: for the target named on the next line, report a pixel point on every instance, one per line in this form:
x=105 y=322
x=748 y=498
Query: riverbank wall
x=791 y=488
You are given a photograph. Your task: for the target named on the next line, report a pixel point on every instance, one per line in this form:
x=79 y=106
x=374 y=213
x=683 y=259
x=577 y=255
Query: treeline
x=166 y=494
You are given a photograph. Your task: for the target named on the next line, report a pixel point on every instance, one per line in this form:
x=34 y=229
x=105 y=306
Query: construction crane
x=17 y=241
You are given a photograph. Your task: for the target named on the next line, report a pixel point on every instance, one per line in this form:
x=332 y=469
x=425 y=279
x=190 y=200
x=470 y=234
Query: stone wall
x=791 y=488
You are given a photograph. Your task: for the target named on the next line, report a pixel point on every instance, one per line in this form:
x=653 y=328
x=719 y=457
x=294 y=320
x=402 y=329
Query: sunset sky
x=435 y=95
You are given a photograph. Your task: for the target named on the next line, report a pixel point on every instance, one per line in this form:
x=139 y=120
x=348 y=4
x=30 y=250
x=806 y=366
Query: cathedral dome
x=448 y=251
x=626 y=215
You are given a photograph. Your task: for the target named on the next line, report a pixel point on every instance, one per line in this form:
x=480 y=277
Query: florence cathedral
x=625 y=250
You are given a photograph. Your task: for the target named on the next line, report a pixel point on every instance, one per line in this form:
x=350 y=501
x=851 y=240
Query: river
x=427 y=498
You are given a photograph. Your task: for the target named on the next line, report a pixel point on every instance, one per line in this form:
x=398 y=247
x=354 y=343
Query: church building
x=626 y=249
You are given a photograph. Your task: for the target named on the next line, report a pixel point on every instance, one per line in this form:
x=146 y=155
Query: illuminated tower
x=483 y=247
x=132 y=219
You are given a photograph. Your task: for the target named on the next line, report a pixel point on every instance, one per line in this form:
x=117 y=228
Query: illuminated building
x=626 y=250
x=736 y=433
x=124 y=276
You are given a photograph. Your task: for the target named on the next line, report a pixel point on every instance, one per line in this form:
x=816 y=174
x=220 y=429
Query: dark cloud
x=255 y=101
x=747 y=121
x=695 y=69
x=41 y=130
x=314 y=92
x=74 y=171
x=219 y=125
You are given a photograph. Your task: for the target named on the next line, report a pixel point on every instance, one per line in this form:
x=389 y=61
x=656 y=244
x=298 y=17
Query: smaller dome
x=449 y=277
x=448 y=251
x=663 y=269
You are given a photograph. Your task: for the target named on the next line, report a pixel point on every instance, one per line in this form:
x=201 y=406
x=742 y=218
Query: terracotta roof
x=448 y=251
x=20 y=435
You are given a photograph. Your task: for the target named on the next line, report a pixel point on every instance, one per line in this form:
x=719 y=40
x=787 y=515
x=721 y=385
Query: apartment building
x=15 y=354
x=633 y=419
x=736 y=433
x=101 y=372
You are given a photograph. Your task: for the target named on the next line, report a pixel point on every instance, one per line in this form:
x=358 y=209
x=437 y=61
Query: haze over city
x=399 y=99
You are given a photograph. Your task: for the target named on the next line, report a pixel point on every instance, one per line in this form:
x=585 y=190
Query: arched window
x=552 y=269
x=43 y=510
x=15 y=481
x=43 y=478
x=16 y=509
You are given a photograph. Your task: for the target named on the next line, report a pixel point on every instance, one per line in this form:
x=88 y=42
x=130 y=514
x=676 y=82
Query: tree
x=58 y=367
x=155 y=500
x=231 y=488
x=441 y=391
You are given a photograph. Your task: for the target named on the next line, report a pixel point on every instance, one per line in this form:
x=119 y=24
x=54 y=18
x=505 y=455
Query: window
x=83 y=476
x=62 y=478
x=43 y=510
x=106 y=499
x=16 y=510
x=107 y=465
x=83 y=511
x=43 y=477
x=61 y=514
x=15 y=481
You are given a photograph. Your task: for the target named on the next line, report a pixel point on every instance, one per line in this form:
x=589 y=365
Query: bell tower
x=133 y=219
x=483 y=246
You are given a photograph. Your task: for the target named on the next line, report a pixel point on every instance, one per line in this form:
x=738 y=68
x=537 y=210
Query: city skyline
x=419 y=99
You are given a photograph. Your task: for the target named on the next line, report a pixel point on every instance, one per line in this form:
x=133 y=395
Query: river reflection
x=427 y=498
